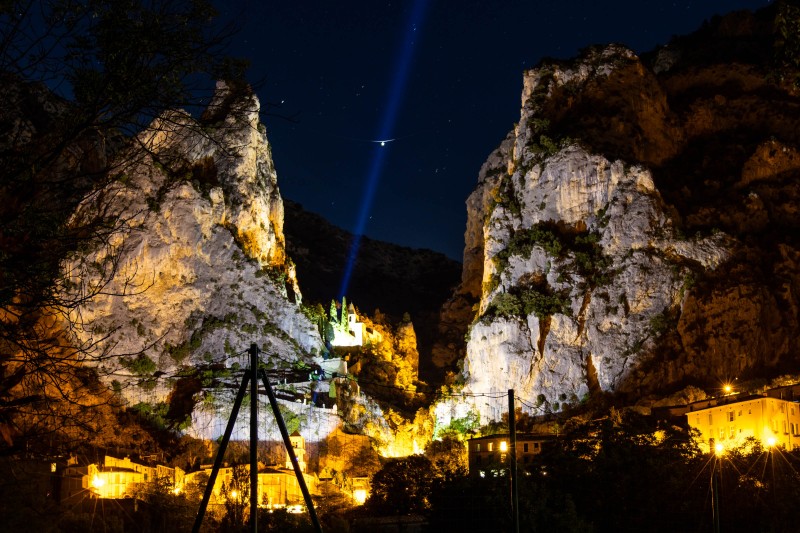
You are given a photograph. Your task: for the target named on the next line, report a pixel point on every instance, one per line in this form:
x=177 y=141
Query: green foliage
x=522 y=301
x=603 y=217
x=155 y=415
x=292 y=420
x=580 y=252
x=461 y=428
x=506 y=196
x=523 y=241
x=181 y=353
x=141 y=365
x=338 y=319
x=544 y=304
x=663 y=322
x=491 y=284
x=504 y=305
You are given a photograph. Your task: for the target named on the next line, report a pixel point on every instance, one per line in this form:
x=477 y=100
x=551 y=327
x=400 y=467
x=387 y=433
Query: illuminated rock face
x=201 y=271
x=631 y=233
x=608 y=308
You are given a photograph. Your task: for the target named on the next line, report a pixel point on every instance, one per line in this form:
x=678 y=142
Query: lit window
x=721 y=433
x=491 y=446
x=732 y=432
x=477 y=446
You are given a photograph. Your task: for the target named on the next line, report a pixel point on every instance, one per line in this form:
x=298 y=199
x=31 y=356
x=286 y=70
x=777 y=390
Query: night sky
x=441 y=78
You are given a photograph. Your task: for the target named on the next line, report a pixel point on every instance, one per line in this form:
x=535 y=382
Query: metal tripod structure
x=252 y=376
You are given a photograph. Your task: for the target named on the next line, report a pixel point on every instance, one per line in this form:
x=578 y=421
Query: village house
x=726 y=422
x=115 y=478
x=277 y=487
x=491 y=451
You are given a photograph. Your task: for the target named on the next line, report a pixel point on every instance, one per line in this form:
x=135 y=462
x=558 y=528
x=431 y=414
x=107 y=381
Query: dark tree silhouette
x=79 y=79
x=402 y=486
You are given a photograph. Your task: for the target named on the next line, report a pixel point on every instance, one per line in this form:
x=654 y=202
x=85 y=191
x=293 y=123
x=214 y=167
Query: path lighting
x=719 y=449
x=98 y=482
x=771 y=441
x=234 y=494
x=727 y=388
x=503 y=446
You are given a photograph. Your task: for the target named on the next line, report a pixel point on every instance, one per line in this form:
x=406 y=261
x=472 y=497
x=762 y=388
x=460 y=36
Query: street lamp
x=716 y=466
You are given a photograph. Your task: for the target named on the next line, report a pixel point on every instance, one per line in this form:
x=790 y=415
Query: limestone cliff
x=636 y=231
x=194 y=270
x=198 y=270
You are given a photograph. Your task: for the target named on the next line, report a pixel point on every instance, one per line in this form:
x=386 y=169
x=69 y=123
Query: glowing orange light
x=719 y=449
x=360 y=496
x=503 y=446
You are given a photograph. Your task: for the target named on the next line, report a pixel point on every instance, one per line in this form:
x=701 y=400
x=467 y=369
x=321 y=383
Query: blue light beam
x=394 y=99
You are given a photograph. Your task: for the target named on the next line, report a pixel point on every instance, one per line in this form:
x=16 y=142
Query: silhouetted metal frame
x=290 y=450
x=253 y=438
x=251 y=376
x=226 y=437
x=512 y=432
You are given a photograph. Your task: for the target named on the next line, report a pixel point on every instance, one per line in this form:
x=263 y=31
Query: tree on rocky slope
x=79 y=79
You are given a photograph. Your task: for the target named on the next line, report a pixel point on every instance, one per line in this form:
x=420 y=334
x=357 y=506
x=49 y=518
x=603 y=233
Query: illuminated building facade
x=356 y=334
x=277 y=487
x=116 y=478
x=491 y=451
x=773 y=421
